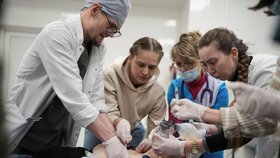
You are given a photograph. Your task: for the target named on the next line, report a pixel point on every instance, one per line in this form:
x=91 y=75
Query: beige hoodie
x=130 y=103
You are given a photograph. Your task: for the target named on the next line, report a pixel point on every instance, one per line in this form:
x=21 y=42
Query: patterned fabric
x=274 y=85
x=238 y=124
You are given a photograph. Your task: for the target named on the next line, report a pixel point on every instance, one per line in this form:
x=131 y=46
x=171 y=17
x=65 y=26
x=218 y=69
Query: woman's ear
x=130 y=58
x=234 y=53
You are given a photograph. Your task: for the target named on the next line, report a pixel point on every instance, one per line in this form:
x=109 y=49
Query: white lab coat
x=49 y=68
x=261 y=71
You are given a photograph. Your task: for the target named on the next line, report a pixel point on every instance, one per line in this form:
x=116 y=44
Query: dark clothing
x=218 y=142
x=62 y=152
x=48 y=132
x=276 y=36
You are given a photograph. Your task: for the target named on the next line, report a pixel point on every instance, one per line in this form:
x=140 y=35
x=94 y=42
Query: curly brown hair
x=242 y=68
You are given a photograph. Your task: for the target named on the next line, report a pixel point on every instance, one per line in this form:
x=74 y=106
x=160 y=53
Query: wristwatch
x=195 y=149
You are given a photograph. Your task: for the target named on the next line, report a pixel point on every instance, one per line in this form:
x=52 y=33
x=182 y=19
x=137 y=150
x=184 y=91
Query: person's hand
x=168 y=146
x=174 y=102
x=115 y=149
x=210 y=129
x=151 y=135
x=144 y=146
x=255 y=101
x=187 y=131
x=123 y=131
x=186 y=109
x=201 y=125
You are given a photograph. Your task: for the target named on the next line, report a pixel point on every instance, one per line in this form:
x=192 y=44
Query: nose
x=109 y=34
x=210 y=69
x=145 y=71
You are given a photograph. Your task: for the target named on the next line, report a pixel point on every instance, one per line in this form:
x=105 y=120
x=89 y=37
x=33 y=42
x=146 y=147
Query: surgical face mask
x=189 y=76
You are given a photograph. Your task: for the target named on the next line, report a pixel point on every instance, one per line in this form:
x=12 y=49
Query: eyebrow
x=208 y=61
x=138 y=61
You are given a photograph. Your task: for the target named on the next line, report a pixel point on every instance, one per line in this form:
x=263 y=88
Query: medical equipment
x=176 y=94
x=164 y=129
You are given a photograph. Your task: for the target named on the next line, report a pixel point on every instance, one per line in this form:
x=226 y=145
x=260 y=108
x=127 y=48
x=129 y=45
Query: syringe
x=176 y=93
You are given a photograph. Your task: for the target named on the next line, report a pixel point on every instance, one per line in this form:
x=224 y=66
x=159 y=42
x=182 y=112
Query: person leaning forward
x=55 y=93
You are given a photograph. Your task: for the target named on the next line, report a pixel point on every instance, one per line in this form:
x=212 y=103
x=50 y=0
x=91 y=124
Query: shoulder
x=215 y=80
x=113 y=68
x=176 y=82
x=108 y=70
x=263 y=60
x=55 y=32
x=70 y=26
x=56 y=26
x=158 y=87
x=157 y=91
x=261 y=69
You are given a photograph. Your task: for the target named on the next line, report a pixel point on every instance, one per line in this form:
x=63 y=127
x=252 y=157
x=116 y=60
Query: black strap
x=62 y=152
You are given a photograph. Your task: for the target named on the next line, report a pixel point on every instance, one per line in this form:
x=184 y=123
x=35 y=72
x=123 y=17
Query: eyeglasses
x=182 y=65
x=112 y=29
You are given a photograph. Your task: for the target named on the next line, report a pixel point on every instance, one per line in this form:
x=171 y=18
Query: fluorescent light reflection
x=199 y=5
x=171 y=23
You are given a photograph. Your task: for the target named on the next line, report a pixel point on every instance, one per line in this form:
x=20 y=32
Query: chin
x=142 y=81
x=223 y=78
x=97 y=41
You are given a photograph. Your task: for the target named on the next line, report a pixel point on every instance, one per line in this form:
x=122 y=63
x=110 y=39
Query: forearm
x=102 y=127
x=212 y=116
x=212 y=144
x=219 y=142
x=209 y=144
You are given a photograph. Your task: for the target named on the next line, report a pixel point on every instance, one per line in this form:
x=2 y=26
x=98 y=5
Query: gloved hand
x=174 y=102
x=255 y=101
x=151 y=135
x=201 y=125
x=210 y=129
x=144 y=146
x=187 y=131
x=168 y=146
x=123 y=131
x=185 y=109
x=115 y=149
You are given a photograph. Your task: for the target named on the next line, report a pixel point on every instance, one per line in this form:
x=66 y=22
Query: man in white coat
x=59 y=83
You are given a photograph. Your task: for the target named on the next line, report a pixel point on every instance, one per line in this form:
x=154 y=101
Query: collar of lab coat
x=75 y=26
